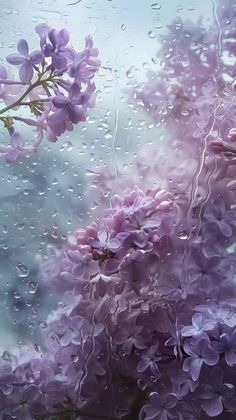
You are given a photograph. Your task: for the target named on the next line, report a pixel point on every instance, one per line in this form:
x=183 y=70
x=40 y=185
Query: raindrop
x=184 y=112
x=154 y=378
x=42 y=324
x=94 y=205
x=4 y=229
x=152 y=34
x=130 y=73
x=32 y=287
x=121 y=412
x=73 y=4
x=7 y=389
x=123 y=27
x=108 y=135
x=22 y=270
x=155 y=6
x=183 y=235
x=141 y=384
x=37 y=347
x=74 y=358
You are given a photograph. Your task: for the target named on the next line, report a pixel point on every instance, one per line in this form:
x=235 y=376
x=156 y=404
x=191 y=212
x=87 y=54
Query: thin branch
x=38 y=82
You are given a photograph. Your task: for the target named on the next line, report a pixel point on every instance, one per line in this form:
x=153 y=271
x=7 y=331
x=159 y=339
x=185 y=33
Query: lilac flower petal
x=225 y=228
x=48 y=50
x=93 y=268
x=36 y=57
x=17 y=141
x=68 y=52
x=211 y=357
x=60 y=101
x=76 y=114
x=3 y=72
x=188 y=331
x=75 y=256
x=42 y=29
x=59 y=62
x=26 y=72
x=52 y=35
x=193 y=365
x=63 y=37
x=23 y=47
x=75 y=90
x=230 y=357
x=15 y=59
x=13 y=155
x=170 y=401
x=213 y=407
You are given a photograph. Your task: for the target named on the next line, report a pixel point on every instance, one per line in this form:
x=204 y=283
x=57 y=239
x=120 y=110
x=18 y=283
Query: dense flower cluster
x=146 y=324
x=55 y=85
x=145 y=327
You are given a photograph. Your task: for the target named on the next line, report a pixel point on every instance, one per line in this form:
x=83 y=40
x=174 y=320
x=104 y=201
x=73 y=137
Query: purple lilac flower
x=149 y=360
x=56 y=100
x=17 y=150
x=216 y=394
x=227 y=345
x=24 y=403
x=217 y=215
x=128 y=335
x=57 y=48
x=106 y=241
x=223 y=313
x=85 y=64
x=206 y=271
x=85 y=265
x=161 y=407
x=199 y=352
x=26 y=61
x=69 y=110
x=199 y=325
x=69 y=105
x=42 y=30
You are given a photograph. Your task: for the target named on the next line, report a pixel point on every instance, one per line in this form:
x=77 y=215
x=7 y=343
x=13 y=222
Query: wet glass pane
x=117 y=210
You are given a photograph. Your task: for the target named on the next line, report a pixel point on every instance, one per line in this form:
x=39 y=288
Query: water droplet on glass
x=32 y=287
x=183 y=235
x=37 y=347
x=141 y=384
x=7 y=389
x=22 y=270
x=152 y=34
x=43 y=324
x=108 y=135
x=155 y=6
x=4 y=229
x=121 y=412
x=74 y=358
x=130 y=73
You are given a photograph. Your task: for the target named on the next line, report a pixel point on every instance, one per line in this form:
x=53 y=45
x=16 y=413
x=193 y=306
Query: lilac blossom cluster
x=134 y=336
x=146 y=324
x=55 y=85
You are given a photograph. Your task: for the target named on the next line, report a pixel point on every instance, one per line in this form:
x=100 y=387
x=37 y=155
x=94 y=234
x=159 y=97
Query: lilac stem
x=38 y=82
